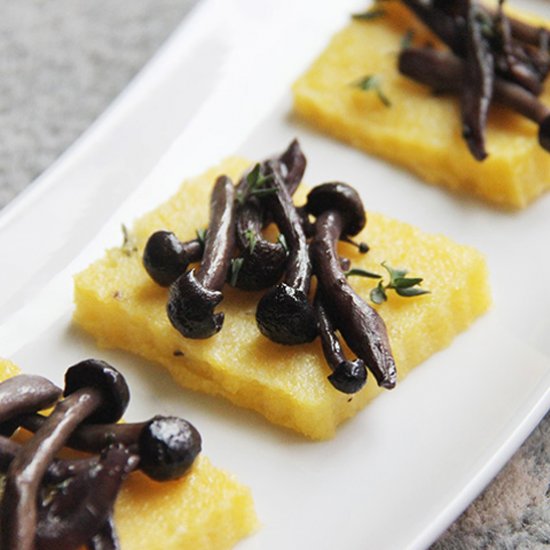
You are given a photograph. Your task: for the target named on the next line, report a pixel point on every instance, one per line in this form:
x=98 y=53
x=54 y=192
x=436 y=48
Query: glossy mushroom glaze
x=492 y=57
x=285 y=313
x=52 y=503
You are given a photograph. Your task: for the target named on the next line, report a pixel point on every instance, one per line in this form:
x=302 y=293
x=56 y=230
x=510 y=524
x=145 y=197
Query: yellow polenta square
x=205 y=510
x=419 y=131
x=118 y=303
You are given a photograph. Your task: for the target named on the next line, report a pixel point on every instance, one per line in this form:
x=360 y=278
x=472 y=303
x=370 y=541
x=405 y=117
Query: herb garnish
x=236 y=264
x=404 y=286
x=372 y=82
x=358 y=272
x=369 y=15
x=407 y=39
x=256 y=182
x=201 y=236
x=250 y=235
x=282 y=241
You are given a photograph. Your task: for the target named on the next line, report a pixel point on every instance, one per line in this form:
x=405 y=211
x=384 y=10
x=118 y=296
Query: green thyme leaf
x=378 y=294
x=129 y=245
x=403 y=285
x=369 y=15
x=407 y=39
x=406 y=282
x=394 y=272
x=250 y=235
x=372 y=83
x=236 y=265
x=256 y=182
x=201 y=236
x=410 y=292
x=282 y=241
x=262 y=192
x=362 y=273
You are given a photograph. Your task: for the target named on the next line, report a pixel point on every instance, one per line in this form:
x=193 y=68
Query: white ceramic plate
x=397 y=474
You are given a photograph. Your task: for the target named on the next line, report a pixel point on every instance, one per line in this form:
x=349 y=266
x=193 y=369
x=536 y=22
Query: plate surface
x=397 y=474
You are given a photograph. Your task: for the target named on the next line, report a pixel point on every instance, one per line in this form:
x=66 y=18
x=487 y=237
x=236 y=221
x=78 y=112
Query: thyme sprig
x=404 y=286
x=234 y=269
x=250 y=236
x=358 y=272
x=201 y=236
x=373 y=83
x=369 y=15
x=256 y=185
x=282 y=241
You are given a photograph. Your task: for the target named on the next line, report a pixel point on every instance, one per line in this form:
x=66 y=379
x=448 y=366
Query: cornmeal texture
x=205 y=510
x=118 y=303
x=419 y=131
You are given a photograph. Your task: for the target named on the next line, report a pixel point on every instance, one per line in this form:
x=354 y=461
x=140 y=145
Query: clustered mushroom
x=492 y=57
x=284 y=270
x=52 y=503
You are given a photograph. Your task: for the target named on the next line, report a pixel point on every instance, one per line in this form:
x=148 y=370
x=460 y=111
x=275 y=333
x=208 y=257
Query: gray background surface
x=62 y=63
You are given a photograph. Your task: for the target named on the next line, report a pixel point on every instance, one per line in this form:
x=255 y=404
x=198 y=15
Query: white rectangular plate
x=397 y=474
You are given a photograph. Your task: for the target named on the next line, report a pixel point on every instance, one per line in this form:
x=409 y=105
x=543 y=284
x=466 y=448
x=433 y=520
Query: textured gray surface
x=62 y=63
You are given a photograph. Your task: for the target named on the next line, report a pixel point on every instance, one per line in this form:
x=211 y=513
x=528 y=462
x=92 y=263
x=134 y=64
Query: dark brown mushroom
x=166 y=445
x=196 y=293
x=339 y=210
x=106 y=538
x=263 y=262
x=444 y=72
x=23 y=394
x=348 y=376
x=165 y=257
x=284 y=313
x=94 y=390
x=79 y=507
x=479 y=73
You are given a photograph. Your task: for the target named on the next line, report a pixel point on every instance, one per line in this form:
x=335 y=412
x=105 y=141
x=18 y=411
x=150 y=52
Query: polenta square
x=207 y=509
x=405 y=123
x=122 y=307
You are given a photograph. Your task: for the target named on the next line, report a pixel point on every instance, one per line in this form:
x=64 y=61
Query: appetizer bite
x=454 y=91
x=285 y=314
x=132 y=485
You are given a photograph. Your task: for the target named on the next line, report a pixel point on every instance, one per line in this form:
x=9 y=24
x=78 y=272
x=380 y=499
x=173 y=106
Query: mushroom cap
x=349 y=376
x=191 y=307
x=341 y=197
x=98 y=374
x=285 y=316
x=168 y=446
x=544 y=133
x=164 y=257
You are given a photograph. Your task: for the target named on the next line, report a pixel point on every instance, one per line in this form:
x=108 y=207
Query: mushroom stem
x=106 y=538
x=263 y=262
x=195 y=294
x=444 y=72
x=347 y=376
x=58 y=470
x=23 y=394
x=166 y=445
x=360 y=325
x=94 y=391
x=29 y=466
x=479 y=72
x=91 y=437
x=283 y=313
x=78 y=510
